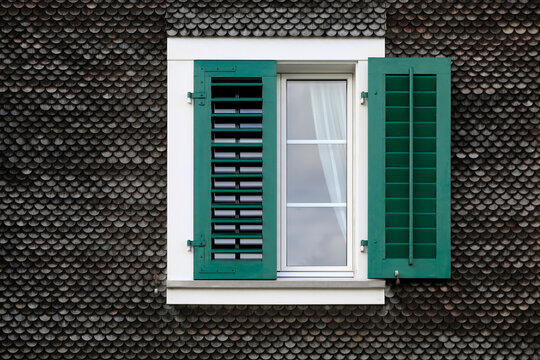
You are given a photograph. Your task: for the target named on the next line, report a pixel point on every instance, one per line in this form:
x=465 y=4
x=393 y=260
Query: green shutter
x=409 y=167
x=235 y=177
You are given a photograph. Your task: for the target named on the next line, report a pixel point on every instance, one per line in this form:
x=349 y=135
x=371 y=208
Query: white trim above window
x=306 y=50
x=294 y=56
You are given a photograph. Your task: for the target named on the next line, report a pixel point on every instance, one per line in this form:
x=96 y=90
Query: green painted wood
x=237 y=221
x=236 y=99
x=236 y=176
x=236 y=130
x=236 y=84
x=238 y=191
x=237 y=161
x=236 y=115
x=409 y=167
x=236 y=236
x=210 y=76
x=224 y=145
x=236 y=251
x=236 y=206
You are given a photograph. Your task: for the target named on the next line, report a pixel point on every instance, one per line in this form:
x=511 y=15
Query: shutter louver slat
x=234 y=100
x=411 y=183
x=409 y=115
x=237 y=222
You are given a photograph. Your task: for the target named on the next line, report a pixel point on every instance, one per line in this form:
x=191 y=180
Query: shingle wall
x=83 y=186
x=281 y=18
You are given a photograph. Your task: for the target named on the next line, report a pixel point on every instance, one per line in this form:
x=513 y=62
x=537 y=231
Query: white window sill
x=276 y=292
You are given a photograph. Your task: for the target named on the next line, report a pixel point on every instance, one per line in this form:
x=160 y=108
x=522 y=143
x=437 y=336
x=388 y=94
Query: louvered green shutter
x=409 y=168
x=235 y=170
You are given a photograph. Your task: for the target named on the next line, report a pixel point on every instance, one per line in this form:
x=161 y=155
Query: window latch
x=195 y=95
x=363 y=97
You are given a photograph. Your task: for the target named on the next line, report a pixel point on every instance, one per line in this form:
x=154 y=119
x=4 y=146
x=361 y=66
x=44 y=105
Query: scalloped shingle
x=83 y=186
x=261 y=18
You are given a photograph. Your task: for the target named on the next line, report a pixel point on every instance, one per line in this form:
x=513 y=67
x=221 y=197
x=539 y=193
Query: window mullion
x=314 y=205
x=316 y=142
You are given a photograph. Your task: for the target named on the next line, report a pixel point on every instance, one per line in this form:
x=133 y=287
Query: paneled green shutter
x=235 y=170
x=409 y=168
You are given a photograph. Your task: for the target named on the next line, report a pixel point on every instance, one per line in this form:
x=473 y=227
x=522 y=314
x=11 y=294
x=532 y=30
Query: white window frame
x=313 y=271
x=293 y=55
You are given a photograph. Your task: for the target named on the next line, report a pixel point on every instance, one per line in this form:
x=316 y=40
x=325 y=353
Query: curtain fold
x=329 y=108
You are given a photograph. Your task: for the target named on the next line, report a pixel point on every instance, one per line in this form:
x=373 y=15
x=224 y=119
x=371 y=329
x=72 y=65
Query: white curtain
x=329 y=107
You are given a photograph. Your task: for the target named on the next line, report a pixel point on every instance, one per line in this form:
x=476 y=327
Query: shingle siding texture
x=83 y=188
x=276 y=18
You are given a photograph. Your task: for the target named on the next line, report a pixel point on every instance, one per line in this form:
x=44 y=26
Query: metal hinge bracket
x=363 y=245
x=195 y=95
x=363 y=97
x=194 y=243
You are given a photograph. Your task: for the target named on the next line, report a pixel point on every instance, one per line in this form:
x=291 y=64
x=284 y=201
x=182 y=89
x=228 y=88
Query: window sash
x=282 y=178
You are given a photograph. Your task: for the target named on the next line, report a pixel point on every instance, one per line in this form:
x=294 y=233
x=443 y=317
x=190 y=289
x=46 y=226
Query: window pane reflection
x=315 y=237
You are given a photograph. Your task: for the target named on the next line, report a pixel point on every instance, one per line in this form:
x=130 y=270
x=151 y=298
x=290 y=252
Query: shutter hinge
x=195 y=95
x=363 y=97
x=194 y=243
x=363 y=245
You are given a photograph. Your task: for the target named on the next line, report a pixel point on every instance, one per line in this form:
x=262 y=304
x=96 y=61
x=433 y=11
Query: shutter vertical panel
x=235 y=169
x=409 y=168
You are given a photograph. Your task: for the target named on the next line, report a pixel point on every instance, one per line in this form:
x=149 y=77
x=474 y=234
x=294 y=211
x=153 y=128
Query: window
x=268 y=171
x=315 y=174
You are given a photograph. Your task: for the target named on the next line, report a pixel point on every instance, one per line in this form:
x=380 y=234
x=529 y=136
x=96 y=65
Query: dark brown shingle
x=83 y=186
x=261 y=18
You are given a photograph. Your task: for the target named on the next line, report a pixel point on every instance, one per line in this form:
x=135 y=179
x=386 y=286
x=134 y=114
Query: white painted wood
x=281 y=131
x=304 y=283
x=283 y=205
x=300 y=49
x=282 y=175
x=179 y=170
x=307 y=55
x=360 y=171
x=314 y=274
x=322 y=205
x=316 y=142
x=275 y=296
x=316 y=67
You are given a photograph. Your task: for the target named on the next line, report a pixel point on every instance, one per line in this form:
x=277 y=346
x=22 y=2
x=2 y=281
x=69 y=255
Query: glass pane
x=316 y=173
x=316 y=109
x=316 y=237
